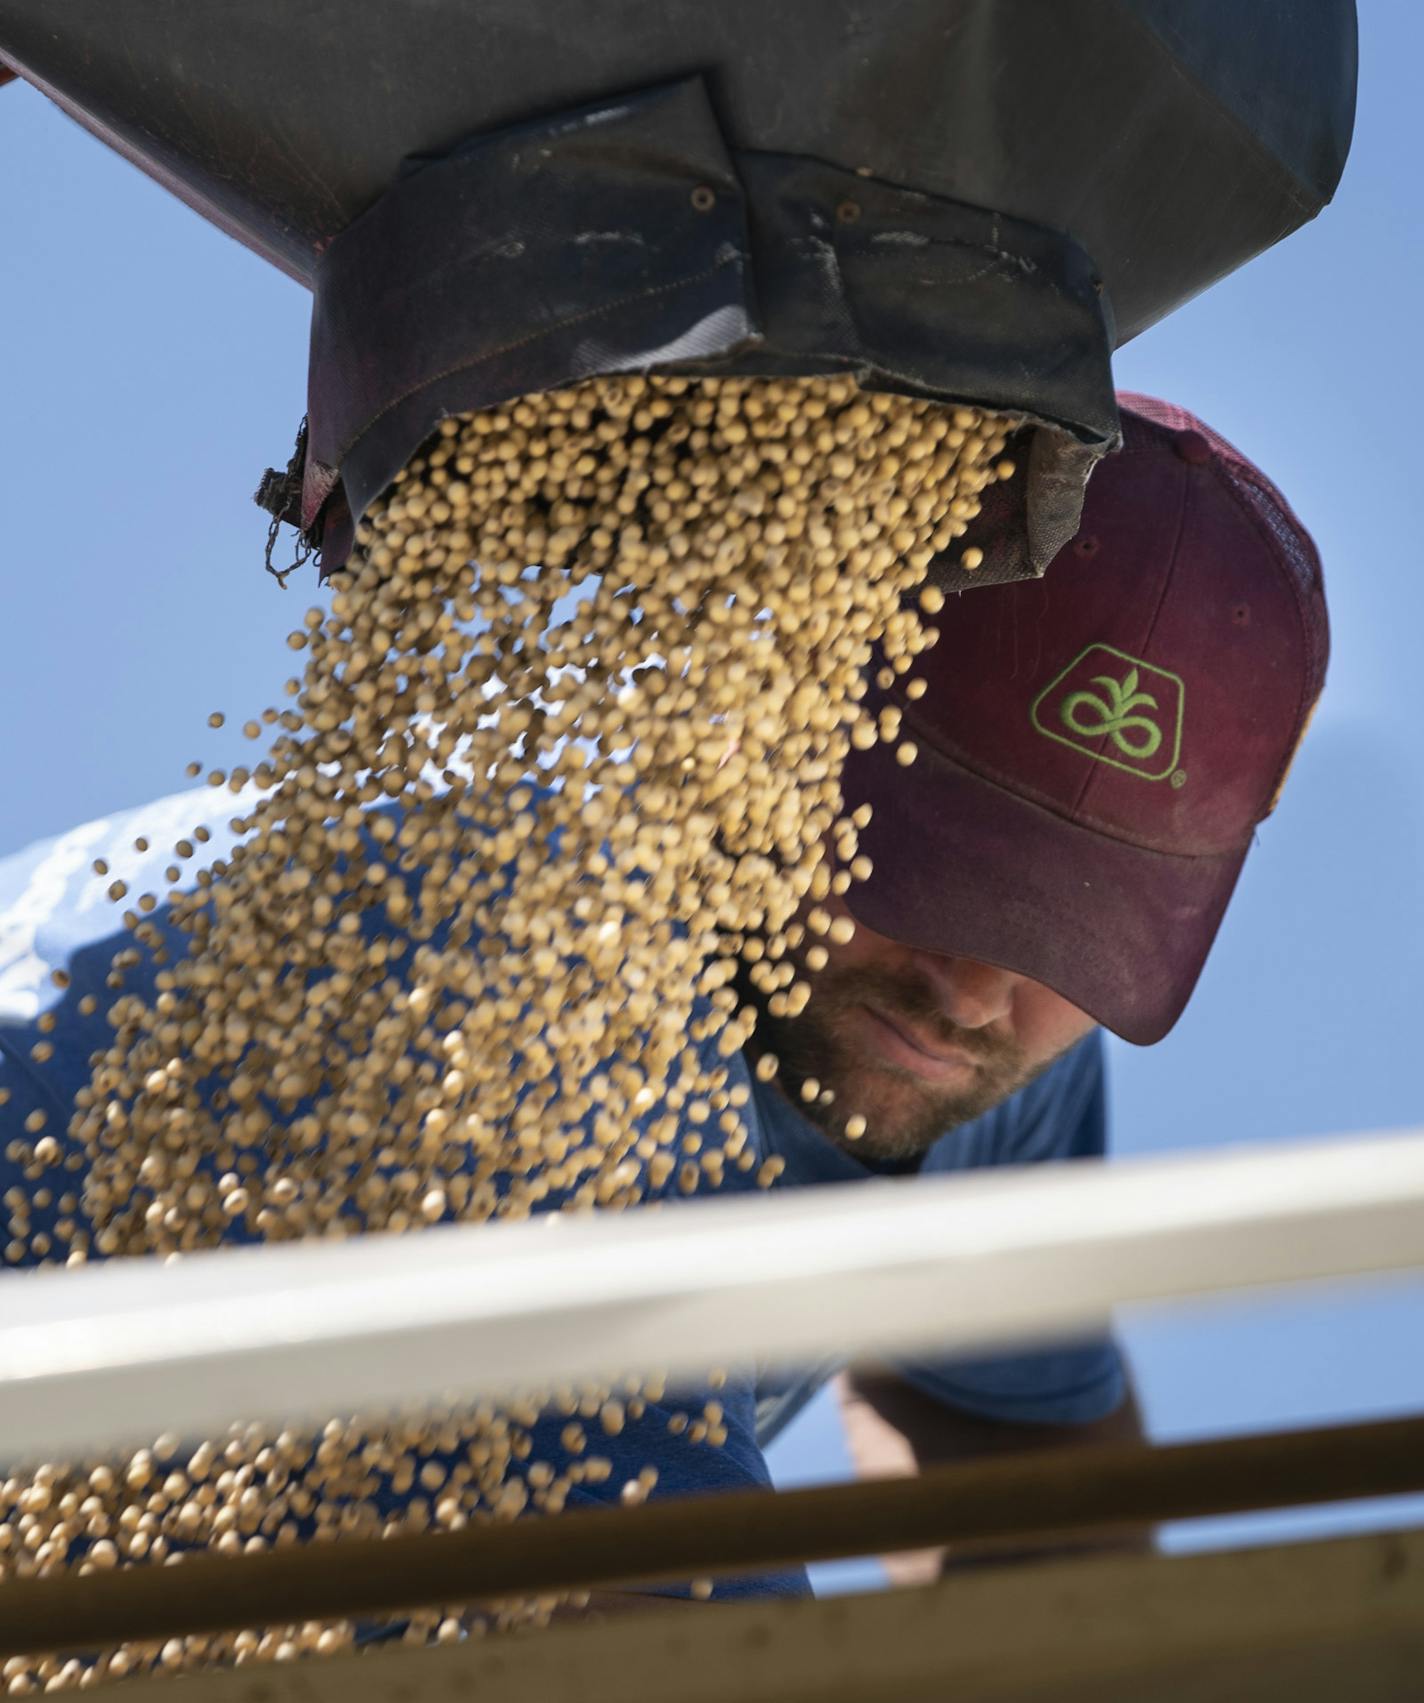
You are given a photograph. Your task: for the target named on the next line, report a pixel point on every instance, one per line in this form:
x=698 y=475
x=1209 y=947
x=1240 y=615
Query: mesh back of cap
x=1294 y=548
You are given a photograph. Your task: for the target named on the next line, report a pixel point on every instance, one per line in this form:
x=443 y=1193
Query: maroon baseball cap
x=1096 y=748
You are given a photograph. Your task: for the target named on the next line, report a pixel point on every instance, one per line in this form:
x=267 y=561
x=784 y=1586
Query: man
x=1095 y=752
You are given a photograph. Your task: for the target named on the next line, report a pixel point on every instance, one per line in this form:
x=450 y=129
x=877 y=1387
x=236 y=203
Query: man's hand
x=894 y=1430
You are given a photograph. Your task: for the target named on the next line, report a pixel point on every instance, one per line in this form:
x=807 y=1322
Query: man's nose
x=971 y=994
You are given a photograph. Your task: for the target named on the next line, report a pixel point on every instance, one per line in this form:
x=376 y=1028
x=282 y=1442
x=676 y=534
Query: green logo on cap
x=1116 y=709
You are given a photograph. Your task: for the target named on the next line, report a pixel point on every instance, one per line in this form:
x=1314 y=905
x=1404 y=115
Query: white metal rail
x=119 y=1352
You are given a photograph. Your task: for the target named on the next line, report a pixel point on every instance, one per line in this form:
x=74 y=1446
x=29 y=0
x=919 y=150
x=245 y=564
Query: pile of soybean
x=566 y=750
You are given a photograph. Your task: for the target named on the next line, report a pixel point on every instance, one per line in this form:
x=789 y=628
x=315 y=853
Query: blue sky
x=153 y=368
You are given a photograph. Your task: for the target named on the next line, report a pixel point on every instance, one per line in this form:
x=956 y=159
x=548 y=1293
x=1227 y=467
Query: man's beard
x=905 y=1115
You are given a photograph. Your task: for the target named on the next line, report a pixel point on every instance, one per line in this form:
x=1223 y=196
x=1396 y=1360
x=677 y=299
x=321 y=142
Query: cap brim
x=965 y=868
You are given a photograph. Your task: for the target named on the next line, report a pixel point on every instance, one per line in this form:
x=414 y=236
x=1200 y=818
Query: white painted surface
x=121 y=1351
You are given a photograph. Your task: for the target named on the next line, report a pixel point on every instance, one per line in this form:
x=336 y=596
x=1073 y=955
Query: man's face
x=915 y=1042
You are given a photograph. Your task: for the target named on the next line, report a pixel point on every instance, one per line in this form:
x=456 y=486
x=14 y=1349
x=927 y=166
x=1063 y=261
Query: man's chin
x=882 y=1147
x=904 y=1119
x=902 y=1122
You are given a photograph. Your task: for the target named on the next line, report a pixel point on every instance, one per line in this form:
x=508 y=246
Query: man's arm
x=894 y=1429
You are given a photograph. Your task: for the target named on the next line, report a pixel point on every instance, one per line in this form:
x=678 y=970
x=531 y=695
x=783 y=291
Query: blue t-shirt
x=54 y=915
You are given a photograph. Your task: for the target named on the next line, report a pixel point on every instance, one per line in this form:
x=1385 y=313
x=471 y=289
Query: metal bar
x=1306 y=1623
x=120 y=1351
x=1005 y=1499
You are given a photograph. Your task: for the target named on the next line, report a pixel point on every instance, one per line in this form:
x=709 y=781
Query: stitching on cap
x=1080 y=797
x=1297 y=591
